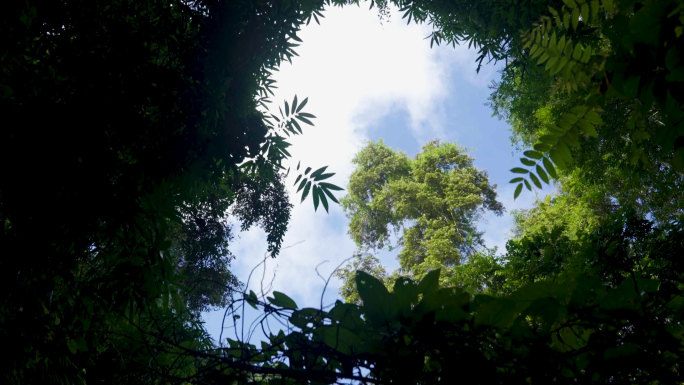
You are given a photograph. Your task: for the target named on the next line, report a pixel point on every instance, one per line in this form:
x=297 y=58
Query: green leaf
x=73 y=347
x=330 y=186
x=527 y=185
x=307 y=170
x=561 y=43
x=378 y=305
x=297 y=126
x=324 y=176
x=329 y=194
x=298 y=178
x=555 y=155
x=306 y=100
x=542 y=174
x=516 y=180
x=302 y=184
x=305 y=120
x=294 y=104
x=298 y=163
x=535 y=180
x=588 y=128
x=517 y=190
x=586 y=55
x=318 y=172
x=594 y=118
x=324 y=200
x=550 y=169
x=565 y=152
x=570 y=3
x=306 y=191
x=498 y=312
x=542 y=147
x=533 y=154
x=577 y=52
x=548 y=139
x=281 y=300
x=430 y=282
x=287 y=109
x=315 y=197
x=251 y=299
x=519 y=170
x=527 y=162
x=575 y=18
x=584 y=11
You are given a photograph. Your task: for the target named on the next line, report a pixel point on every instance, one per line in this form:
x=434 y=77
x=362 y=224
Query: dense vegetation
x=133 y=129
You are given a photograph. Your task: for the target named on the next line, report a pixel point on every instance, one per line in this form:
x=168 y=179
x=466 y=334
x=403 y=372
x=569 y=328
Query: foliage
x=576 y=331
x=434 y=199
x=367 y=263
x=621 y=243
x=599 y=50
x=590 y=54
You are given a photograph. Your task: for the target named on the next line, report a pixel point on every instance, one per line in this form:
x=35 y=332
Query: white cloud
x=354 y=70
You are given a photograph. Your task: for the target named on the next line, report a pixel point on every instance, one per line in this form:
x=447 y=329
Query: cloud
x=355 y=71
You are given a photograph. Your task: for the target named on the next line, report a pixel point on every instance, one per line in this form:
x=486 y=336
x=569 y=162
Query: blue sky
x=368 y=80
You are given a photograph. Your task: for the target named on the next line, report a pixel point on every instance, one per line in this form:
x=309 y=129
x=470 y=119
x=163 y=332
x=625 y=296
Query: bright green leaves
x=418 y=198
x=555 y=146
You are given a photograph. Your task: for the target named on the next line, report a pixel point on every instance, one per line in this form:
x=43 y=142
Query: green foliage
x=598 y=52
x=590 y=55
x=572 y=331
x=366 y=263
x=434 y=200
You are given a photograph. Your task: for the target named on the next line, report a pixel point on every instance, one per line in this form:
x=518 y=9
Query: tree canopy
x=434 y=200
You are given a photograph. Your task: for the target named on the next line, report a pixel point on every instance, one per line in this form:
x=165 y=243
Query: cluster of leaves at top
x=591 y=53
x=597 y=51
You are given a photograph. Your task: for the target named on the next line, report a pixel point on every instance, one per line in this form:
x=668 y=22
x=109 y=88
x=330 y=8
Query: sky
x=369 y=80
